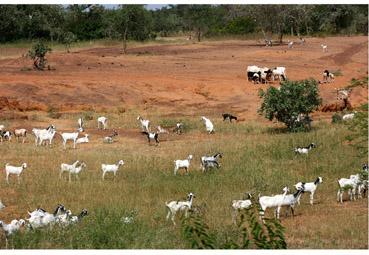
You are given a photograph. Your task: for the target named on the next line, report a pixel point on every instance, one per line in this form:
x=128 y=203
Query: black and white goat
x=151 y=137
x=304 y=150
x=309 y=187
x=229 y=116
x=11 y=228
x=328 y=76
x=238 y=205
x=178 y=128
x=210 y=162
x=5 y=135
x=109 y=138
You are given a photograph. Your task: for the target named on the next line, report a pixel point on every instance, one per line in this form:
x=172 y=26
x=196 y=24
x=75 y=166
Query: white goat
x=290 y=200
x=102 y=121
x=208 y=124
x=111 y=168
x=239 y=205
x=279 y=72
x=346 y=184
x=324 y=47
x=11 y=228
x=2 y=127
x=290 y=44
x=328 y=76
x=17 y=170
x=69 y=136
x=75 y=169
x=37 y=132
x=272 y=201
x=175 y=206
x=2 y=206
x=20 y=133
x=162 y=130
x=309 y=187
x=46 y=135
x=182 y=164
x=67 y=218
x=83 y=139
x=348 y=116
x=41 y=218
x=145 y=124
x=80 y=125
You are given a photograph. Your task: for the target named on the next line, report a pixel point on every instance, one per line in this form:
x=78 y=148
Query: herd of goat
x=39 y=218
x=355 y=185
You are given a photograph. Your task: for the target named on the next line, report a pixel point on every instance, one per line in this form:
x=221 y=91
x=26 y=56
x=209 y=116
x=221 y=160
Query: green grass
x=256 y=158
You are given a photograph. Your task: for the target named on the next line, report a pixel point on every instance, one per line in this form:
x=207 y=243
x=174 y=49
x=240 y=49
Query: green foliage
x=336 y=118
x=38 y=54
x=53 y=113
x=240 y=25
x=293 y=98
x=67 y=39
x=251 y=233
x=358 y=83
x=359 y=130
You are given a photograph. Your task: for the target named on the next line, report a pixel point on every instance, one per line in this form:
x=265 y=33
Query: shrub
x=53 y=113
x=38 y=53
x=336 y=118
x=293 y=98
x=251 y=232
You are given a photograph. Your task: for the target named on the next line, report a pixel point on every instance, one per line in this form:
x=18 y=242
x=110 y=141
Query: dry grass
x=256 y=158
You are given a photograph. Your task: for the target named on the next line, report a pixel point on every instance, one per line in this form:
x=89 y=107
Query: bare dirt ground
x=176 y=78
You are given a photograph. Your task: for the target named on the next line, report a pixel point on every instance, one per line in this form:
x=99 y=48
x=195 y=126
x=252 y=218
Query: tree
x=292 y=99
x=133 y=22
x=38 y=54
x=199 y=18
x=68 y=39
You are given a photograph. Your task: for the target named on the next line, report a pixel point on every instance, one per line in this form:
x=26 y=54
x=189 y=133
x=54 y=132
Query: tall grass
x=256 y=158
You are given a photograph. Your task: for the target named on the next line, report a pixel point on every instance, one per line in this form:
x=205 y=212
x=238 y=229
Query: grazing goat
x=309 y=187
x=239 y=205
x=69 y=136
x=272 y=201
x=279 y=72
x=182 y=164
x=251 y=70
x=80 y=125
x=210 y=162
x=304 y=150
x=20 y=133
x=41 y=218
x=265 y=74
x=109 y=139
x=290 y=44
x=327 y=76
x=11 y=228
x=178 y=128
x=349 y=116
x=75 y=169
x=83 y=139
x=145 y=124
x=17 y=170
x=152 y=136
x=5 y=135
x=229 y=116
x=102 y=121
x=45 y=134
x=175 y=206
x=37 y=132
x=2 y=206
x=208 y=124
x=111 y=168
x=67 y=218
x=324 y=47
x=162 y=130
x=290 y=200
x=346 y=184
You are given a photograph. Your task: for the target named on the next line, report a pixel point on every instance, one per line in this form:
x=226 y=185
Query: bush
x=38 y=54
x=292 y=99
x=53 y=113
x=336 y=118
x=251 y=233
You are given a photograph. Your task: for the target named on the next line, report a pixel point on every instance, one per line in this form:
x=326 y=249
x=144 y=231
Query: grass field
x=256 y=157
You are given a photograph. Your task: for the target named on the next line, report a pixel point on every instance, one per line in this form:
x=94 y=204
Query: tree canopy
x=86 y=22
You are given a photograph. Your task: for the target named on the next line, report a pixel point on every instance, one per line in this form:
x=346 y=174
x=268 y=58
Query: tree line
x=134 y=22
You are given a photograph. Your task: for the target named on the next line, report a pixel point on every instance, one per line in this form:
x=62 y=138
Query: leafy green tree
x=67 y=39
x=133 y=22
x=199 y=18
x=38 y=54
x=293 y=98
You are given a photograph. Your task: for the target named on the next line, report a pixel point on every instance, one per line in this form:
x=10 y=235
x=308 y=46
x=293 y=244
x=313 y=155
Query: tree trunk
x=125 y=40
x=198 y=34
